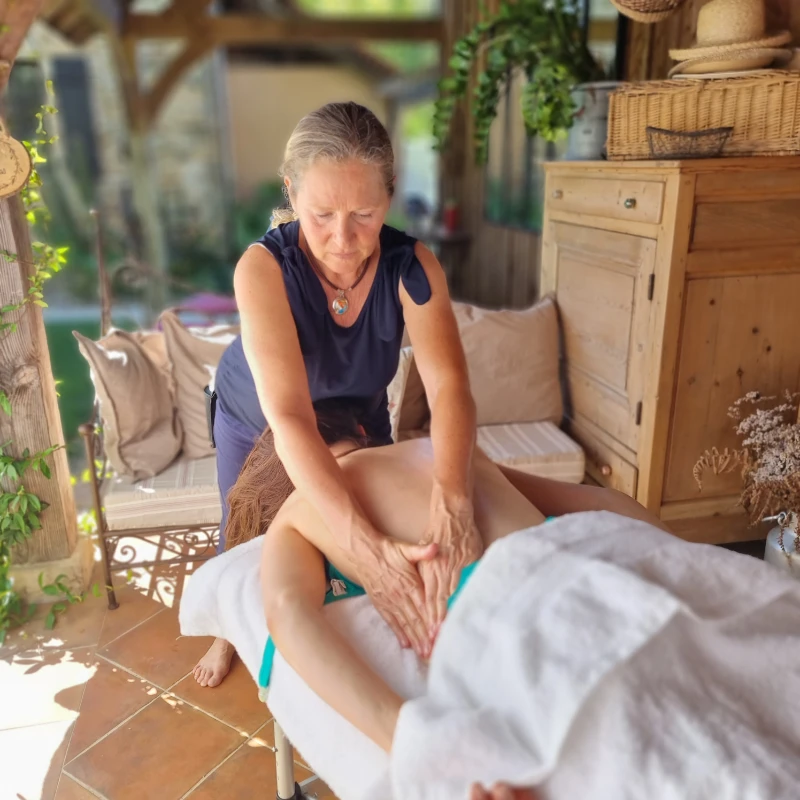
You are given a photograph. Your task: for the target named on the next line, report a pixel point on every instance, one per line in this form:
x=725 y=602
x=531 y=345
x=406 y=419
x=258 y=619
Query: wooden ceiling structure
x=203 y=26
x=16 y=18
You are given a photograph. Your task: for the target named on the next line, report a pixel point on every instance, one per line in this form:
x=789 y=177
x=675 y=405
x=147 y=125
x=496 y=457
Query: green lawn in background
x=75 y=390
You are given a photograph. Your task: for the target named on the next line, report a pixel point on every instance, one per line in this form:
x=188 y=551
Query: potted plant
x=541 y=40
x=769 y=460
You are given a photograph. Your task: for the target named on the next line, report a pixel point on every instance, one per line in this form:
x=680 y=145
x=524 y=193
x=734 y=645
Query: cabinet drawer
x=637 y=201
x=603 y=464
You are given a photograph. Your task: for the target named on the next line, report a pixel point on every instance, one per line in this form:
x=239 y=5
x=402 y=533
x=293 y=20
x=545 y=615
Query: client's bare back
x=393 y=486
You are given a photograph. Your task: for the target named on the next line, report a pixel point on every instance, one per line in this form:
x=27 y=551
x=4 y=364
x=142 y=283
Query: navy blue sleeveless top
x=355 y=363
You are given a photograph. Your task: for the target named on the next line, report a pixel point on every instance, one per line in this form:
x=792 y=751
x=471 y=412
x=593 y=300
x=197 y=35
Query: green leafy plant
x=59 y=588
x=543 y=41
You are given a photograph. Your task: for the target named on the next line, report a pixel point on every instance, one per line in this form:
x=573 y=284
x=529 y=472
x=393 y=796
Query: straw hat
x=648 y=11
x=727 y=28
x=738 y=61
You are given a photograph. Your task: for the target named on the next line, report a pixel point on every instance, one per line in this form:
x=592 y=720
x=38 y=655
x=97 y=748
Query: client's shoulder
x=417 y=449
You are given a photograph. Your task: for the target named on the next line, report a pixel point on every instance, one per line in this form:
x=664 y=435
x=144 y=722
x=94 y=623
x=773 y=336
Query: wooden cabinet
x=678 y=285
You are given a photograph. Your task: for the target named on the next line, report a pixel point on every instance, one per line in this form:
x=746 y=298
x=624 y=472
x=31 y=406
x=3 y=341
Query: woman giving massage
x=303 y=567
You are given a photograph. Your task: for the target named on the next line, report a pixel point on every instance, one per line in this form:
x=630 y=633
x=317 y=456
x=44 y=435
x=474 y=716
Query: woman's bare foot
x=501 y=791
x=215 y=664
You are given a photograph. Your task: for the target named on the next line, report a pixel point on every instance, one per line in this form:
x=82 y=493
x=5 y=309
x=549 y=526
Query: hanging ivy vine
x=20 y=509
x=542 y=40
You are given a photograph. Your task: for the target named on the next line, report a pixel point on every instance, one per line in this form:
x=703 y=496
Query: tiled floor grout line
x=70 y=734
x=132 y=628
x=160 y=693
x=227 y=758
x=35 y=725
x=205 y=711
x=92 y=791
x=131 y=672
x=115 y=728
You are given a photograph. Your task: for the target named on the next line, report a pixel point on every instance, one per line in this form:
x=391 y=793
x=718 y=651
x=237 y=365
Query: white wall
x=266 y=101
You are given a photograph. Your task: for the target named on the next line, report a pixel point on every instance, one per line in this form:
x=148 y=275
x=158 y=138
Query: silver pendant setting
x=340 y=304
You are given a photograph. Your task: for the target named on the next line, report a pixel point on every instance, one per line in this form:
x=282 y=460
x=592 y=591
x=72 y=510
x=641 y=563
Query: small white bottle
x=783 y=549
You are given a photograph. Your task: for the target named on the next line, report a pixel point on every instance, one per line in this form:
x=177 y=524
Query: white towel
x=604 y=660
x=594 y=653
x=223 y=598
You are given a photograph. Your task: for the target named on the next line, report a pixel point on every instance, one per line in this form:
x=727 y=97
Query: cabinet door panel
x=739 y=335
x=601 y=282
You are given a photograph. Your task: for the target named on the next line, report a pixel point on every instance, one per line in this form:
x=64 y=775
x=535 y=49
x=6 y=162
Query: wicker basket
x=694 y=144
x=647 y=10
x=763 y=110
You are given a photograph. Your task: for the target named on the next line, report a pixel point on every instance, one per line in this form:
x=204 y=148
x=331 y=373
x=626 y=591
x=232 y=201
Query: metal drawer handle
x=630 y=202
x=558 y=194
x=605 y=471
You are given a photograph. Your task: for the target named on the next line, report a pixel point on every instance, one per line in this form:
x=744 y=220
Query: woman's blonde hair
x=336 y=132
x=263 y=485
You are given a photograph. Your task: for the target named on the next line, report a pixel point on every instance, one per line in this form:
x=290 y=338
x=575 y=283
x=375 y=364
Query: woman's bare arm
x=272 y=349
x=443 y=369
x=440 y=358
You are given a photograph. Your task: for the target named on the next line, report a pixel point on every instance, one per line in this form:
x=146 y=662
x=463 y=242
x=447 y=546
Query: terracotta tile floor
x=105 y=706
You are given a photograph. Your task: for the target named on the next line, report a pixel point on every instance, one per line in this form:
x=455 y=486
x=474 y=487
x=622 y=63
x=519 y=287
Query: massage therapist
x=324 y=297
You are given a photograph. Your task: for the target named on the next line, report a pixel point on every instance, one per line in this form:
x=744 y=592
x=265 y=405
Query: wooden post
x=27 y=378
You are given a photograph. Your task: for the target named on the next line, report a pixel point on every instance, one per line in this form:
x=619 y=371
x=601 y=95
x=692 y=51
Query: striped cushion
x=184 y=494
x=540 y=448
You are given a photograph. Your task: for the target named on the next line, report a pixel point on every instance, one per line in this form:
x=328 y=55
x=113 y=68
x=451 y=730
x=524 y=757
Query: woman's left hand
x=452 y=528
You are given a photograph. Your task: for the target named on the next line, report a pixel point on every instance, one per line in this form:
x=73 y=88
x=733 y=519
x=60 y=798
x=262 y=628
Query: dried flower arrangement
x=769 y=458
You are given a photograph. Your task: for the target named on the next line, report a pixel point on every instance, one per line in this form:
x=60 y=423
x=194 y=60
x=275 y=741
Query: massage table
x=591 y=657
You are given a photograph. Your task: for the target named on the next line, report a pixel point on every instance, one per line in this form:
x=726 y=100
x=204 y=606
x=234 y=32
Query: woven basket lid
x=754 y=58
x=728 y=26
x=648 y=11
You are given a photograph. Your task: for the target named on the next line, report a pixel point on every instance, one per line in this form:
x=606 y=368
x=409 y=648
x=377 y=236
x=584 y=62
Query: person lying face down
x=303 y=568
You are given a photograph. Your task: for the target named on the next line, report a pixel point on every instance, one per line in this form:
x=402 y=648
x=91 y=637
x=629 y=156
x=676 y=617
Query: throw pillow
x=397 y=389
x=141 y=433
x=194 y=354
x=513 y=362
x=414 y=413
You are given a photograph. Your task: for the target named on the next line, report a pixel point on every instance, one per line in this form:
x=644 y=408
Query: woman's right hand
x=387 y=569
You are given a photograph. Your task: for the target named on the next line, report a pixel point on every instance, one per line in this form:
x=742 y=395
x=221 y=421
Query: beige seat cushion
x=539 y=448
x=513 y=361
x=142 y=434
x=195 y=354
x=184 y=494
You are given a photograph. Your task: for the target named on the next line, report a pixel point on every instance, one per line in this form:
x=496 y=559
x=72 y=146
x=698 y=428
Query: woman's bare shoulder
x=254 y=266
x=419 y=449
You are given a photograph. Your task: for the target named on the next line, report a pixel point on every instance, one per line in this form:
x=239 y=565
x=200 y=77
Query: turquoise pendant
x=339 y=304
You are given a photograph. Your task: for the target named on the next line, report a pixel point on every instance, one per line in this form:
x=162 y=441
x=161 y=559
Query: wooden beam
x=154 y=99
x=16 y=16
x=243 y=29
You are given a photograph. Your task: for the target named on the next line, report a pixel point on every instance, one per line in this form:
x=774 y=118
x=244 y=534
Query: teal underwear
x=340 y=588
